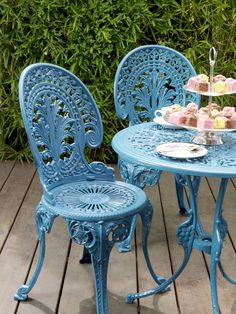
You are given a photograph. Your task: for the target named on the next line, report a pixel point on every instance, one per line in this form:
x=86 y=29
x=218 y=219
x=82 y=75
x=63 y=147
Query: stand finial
x=212 y=59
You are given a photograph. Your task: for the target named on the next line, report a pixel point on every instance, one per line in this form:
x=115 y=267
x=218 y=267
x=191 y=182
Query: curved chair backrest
x=149 y=78
x=60 y=117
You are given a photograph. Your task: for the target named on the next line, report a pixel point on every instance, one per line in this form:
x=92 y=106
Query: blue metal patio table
x=135 y=147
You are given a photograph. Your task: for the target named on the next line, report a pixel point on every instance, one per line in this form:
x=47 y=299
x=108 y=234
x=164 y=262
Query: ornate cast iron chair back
x=60 y=117
x=149 y=78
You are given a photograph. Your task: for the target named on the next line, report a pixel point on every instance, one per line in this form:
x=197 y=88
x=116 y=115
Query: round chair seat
x=101 y=199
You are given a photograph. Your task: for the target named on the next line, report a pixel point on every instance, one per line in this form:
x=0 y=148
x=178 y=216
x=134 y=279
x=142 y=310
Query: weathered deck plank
x=12 y=195
x=66 y=287
x=17 y=253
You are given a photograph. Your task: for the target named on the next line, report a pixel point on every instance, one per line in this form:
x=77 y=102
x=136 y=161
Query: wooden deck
x=66 y=287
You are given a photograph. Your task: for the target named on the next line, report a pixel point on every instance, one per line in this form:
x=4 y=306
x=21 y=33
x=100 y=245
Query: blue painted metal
x=136 y=147
x=148 y=78
x=61 y=118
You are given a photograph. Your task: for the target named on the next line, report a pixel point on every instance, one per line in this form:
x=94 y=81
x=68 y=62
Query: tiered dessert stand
x=209 y=136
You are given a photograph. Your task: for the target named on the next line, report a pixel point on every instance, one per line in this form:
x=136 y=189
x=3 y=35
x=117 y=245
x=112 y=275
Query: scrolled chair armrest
x=99 y=171
x=48 y=196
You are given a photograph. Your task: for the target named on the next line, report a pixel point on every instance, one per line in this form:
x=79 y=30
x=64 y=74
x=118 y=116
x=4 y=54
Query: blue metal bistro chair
x=148 y=78
x=61 y=118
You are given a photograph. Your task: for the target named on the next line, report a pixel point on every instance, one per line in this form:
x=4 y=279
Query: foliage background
x=90 y=37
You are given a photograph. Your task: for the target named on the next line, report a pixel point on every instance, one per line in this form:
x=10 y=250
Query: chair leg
x=125 y=246
x=99 y=239
x=44 y=221
x=100 y=267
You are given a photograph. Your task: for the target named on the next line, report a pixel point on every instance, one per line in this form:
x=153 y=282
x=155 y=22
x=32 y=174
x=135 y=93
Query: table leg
x=185 y=234
x=218 y=235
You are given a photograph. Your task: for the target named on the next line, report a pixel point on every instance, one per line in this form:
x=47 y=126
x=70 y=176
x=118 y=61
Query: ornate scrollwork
x=147 y=215
x=44 y=219
x=154 y=136
x=22 y=293
x=94 y=198
x=82 y=233
x=100 y=236
x=223 y=228
x=185 y=234
x=138 y=175
x=118 y=231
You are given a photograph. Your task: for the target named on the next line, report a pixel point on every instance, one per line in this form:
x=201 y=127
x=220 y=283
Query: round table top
x=137 y=144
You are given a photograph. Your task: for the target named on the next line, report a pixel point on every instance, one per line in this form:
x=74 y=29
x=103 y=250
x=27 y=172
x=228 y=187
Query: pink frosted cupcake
x=203 y=83
x=230 y=85
x=192 y=82
x=233 y=121
x=204 y=122
x=192 y=107
x=228 y=111
x=177 y=118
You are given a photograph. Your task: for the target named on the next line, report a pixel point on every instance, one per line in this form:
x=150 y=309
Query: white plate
x=207 y=93
x=205 y=130
x=161 y=121
x=181 y=150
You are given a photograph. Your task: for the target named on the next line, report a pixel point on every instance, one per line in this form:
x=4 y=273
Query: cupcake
x=219 y=87
x=219 y=123
x=191 y=107
x=233 y=121
x=202 y=84
x=191 y=120
x=177 y=117
x=213 y=106
x=219 y=77
x=228 y=111
x=215 y=113
x=230 y=85
x=205 y=122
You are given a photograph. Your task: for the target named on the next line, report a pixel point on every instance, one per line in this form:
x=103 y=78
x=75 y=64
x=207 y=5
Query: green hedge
x=90 y=37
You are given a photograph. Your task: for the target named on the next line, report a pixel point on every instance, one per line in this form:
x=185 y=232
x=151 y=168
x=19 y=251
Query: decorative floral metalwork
x=118 y=231
x=99 y=237
x=151 y=77
x=153 y=135
x=185 y=234
x=93 y=198
x=223 y=227
x=44 y=219
x=82 y=232
x=138 y=175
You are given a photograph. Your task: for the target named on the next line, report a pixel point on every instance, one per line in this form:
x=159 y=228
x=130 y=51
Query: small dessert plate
x=161 y=121
x=181 y=150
